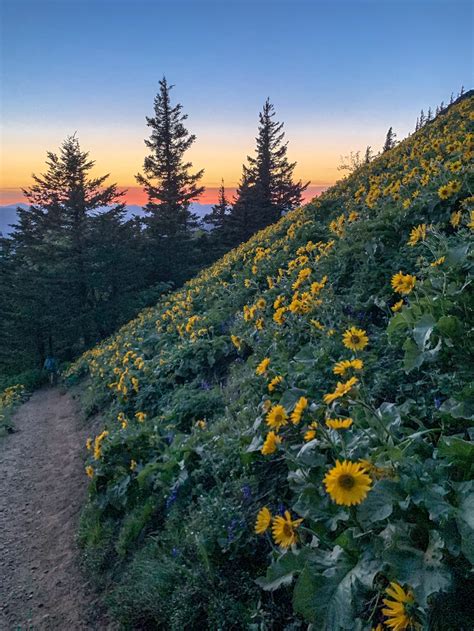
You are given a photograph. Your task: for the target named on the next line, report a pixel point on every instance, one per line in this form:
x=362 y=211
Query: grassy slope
x=169 y=525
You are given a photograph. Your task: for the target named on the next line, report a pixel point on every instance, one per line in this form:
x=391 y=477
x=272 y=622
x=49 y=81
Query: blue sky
x=339 y=74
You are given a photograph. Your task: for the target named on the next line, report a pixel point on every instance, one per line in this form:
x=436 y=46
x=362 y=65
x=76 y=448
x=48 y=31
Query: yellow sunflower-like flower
x=444 y=192
x=417 y=234
x=347 y=483
x=140 y=416
x=397 y=608
x=397 y=306
x=263 y=521
x=236 y=341
x=263 y=366
x=201 y=424
x=355 y=339
x=339 y=423
x=89 y=444
x=454 y=186
x=274 y=383
x=133 y=465
x=277 y=417
x=455 y=218
x=341 y=367
x=284 y=530
x=271 y=443
x=403 y=283
x=341 y=390
x=439 y=261
x=89 y=471
x=300 y=407
x=311 y=431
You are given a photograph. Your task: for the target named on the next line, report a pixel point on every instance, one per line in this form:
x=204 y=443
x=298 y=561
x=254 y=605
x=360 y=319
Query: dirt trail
x=42 y=489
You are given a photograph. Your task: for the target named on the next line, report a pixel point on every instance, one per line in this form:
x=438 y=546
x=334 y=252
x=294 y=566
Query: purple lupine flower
x=171 y=499
x=437 y=402
x=247 y=492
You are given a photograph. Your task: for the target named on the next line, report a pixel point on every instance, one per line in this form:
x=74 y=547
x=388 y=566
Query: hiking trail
x=42 y=490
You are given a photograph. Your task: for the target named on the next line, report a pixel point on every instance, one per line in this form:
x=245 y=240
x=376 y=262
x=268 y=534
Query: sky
x=338 y=72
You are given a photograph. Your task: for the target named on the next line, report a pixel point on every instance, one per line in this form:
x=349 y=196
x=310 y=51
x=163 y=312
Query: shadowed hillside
x=319 y=377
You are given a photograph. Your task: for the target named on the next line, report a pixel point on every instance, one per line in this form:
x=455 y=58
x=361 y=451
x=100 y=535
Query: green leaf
x=458 y=451
x=282 y=571
x=413 y=357
x=306 y=355
x=423 y=329
x=465 y=518
x=457 y=255
x=290 y=397
x=459 y=409
x=379 y=503
x=326 y=591
x=424 y=571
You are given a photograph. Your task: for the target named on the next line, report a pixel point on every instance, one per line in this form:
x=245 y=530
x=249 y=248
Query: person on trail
x=51 y=366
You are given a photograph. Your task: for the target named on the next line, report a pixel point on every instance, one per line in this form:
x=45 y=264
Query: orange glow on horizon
x=136 y=196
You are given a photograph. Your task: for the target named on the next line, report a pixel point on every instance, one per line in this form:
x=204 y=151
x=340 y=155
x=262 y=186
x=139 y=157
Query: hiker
x=51 y=366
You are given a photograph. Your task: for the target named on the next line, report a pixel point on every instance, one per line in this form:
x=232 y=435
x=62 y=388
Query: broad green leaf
x=425 y=571
x=465 y=518
x=282 y=571
x=379 y=503
x=423 y=329
x=325 y=593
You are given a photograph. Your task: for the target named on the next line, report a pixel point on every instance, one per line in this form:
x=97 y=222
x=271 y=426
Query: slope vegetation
x=318 y=377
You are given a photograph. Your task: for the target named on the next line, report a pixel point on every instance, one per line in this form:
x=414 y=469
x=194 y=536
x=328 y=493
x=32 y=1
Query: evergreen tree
x=422 y=119
x=389 y=140
x=170 y=188
x=267 y=189
x=368 y=154
x=219 y=212
x=51 y=263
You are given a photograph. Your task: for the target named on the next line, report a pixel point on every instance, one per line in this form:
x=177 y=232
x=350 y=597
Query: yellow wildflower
x=341 y=367
x=339 y=423
x=455 y=218
x=263 y=366
x=300 y=407
x=397 y=306
x=397 y=610
x=284 y=530
x=341 y=390
x=355 y=339
x=417 y=234
x=270 y=444
x=264 y=519
x=347 y=483
x=277 y=417
x=274 y=383
x=403 y=283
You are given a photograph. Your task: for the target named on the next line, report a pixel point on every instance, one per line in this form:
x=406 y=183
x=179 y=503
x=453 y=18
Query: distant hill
x=8 y=214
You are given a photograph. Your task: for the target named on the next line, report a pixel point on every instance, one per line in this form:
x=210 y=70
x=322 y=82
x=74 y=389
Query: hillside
x=319 y=376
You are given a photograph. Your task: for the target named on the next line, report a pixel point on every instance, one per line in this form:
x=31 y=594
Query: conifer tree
x=266 y=189
x=368 y=154
x=389 y=140
x=219 y=212
x=170 y=187
x=54 y=298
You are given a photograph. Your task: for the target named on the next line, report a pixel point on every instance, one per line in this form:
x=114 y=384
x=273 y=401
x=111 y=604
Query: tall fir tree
x=170 y=188
x=389 y=140
x=267 y=189
x=53 y=255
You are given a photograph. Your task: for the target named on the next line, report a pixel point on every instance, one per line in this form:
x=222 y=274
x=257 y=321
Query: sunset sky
x=339 y=74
